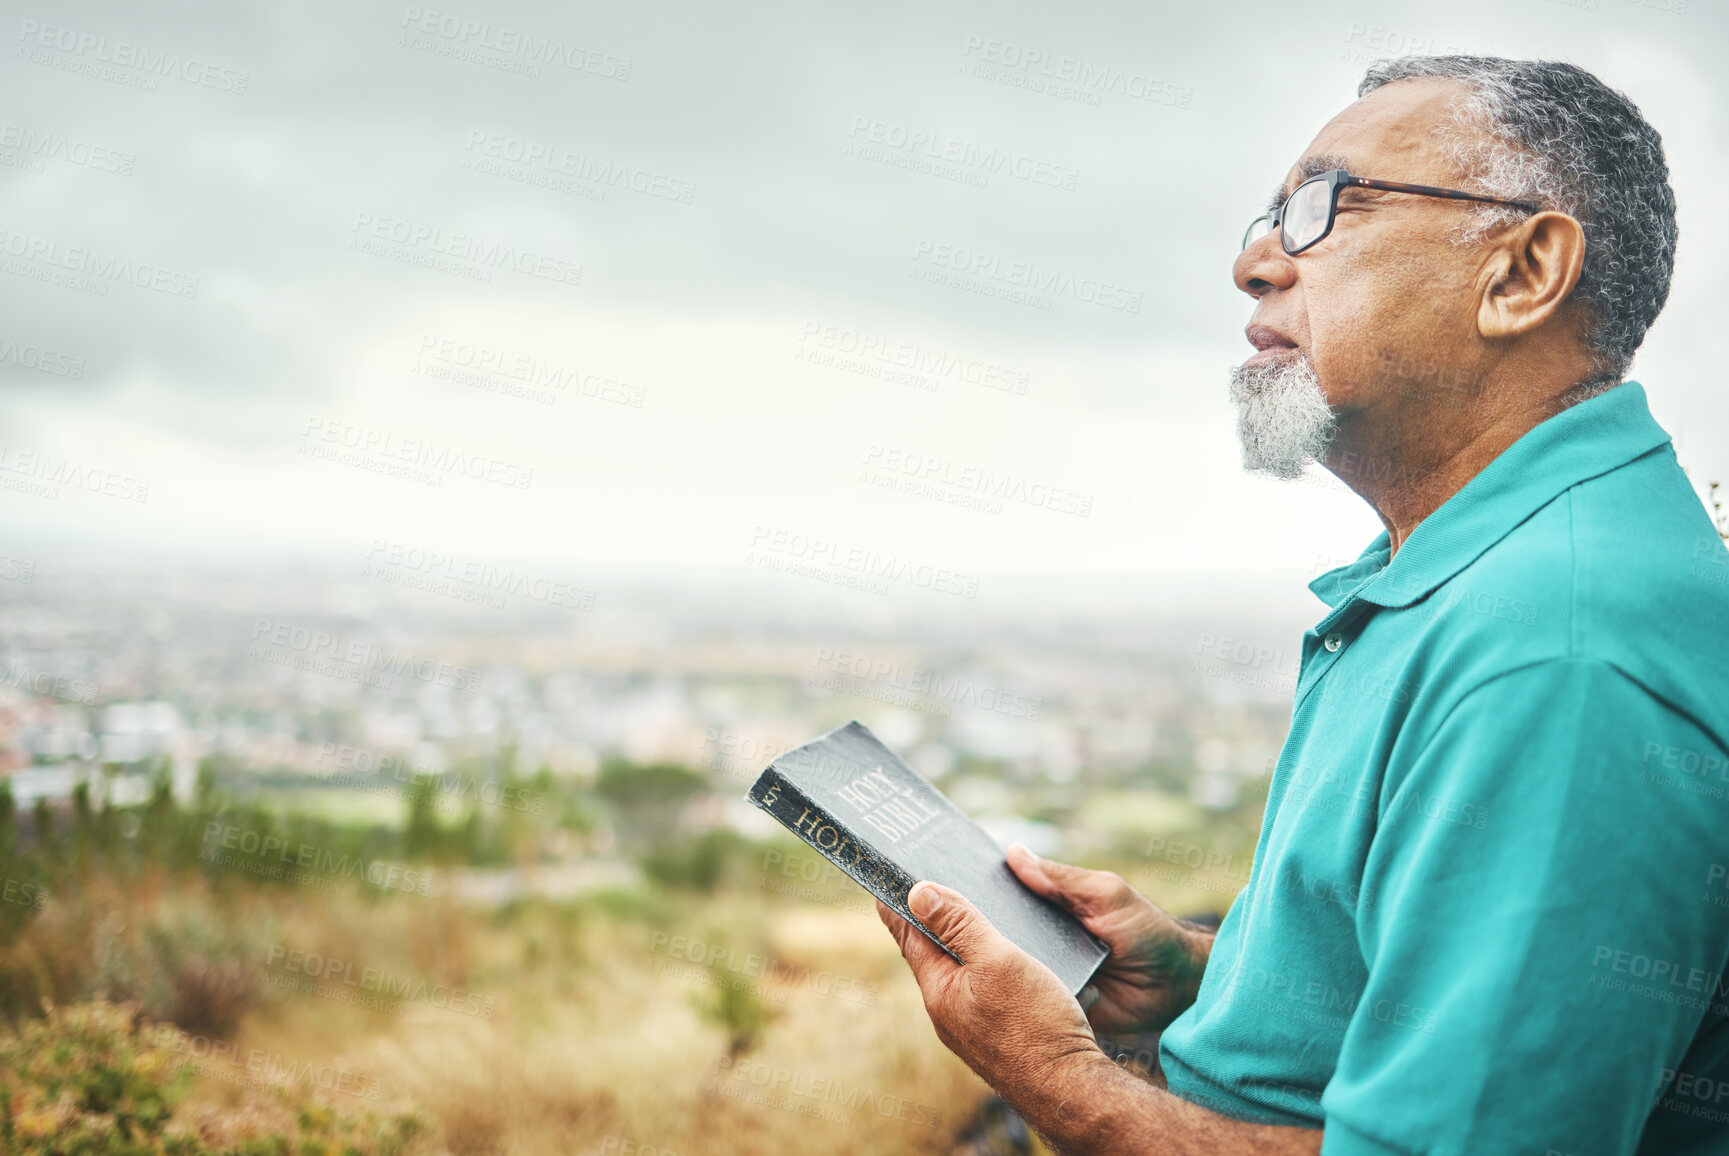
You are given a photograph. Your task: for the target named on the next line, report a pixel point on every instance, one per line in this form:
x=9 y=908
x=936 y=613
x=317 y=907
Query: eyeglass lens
x=1258 y=229
x=1306 y=214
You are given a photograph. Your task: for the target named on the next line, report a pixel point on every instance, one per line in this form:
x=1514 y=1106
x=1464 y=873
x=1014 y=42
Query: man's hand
x=1002 y=1011
x=1015 y=1024
x=1155 y=964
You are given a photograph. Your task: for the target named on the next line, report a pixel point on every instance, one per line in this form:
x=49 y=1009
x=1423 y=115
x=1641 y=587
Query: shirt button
x=1333 y=641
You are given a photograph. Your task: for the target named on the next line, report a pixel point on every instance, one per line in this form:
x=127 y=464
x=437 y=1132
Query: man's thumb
x=1081 y=891
x=962 y=927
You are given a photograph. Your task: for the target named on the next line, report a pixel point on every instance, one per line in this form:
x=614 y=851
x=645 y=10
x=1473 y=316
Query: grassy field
x=743 y=997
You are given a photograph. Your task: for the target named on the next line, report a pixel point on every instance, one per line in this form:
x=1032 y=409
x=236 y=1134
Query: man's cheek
x=1344 y=341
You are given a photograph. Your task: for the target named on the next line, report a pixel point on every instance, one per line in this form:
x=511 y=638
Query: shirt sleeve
x=1536 y=921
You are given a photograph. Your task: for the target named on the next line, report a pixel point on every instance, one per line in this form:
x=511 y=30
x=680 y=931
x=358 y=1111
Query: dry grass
x=598 y=1036
x=595 y=1033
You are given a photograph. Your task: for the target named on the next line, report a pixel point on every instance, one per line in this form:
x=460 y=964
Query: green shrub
x=698 y=864
x=96 y=1079
x=647 y=802
x=732 y=1003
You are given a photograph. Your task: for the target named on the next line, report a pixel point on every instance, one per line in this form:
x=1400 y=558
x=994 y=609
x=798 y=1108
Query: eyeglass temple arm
x=1432 y=191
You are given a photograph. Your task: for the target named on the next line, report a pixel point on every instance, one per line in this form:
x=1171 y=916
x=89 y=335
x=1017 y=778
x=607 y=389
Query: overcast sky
x=726 y=198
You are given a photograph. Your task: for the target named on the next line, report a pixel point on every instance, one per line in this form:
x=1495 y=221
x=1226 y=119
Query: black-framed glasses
x=1307 y=214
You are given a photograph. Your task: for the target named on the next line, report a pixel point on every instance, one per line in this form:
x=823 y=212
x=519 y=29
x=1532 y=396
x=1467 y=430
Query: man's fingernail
x=925 y=901
x=1088 y=997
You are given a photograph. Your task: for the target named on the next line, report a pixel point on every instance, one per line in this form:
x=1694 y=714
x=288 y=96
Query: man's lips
x=1265 y=337
x=1269 y=343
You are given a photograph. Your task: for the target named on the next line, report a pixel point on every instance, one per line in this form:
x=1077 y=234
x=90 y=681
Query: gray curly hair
x=1552 y=133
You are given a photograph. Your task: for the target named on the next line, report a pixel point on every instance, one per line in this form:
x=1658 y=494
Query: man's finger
x=1077 y=890
x=898 y=927
x=961 y=926
x=916 y=948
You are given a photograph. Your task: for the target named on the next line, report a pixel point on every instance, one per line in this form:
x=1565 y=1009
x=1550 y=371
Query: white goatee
x=1283 y=419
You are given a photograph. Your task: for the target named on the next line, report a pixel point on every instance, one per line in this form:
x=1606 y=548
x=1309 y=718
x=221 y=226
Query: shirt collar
x=1577 y=444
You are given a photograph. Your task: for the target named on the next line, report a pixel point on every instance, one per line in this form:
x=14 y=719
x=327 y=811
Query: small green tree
x=421 y=834
x=8 y=820
x=647 y=802
x=42 y=817
x=733 y=1004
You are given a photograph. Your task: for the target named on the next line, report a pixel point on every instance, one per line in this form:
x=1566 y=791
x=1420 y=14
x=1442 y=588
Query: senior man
x=1488 y=909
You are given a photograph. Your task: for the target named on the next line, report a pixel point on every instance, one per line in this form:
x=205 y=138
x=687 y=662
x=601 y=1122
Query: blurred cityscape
x=323 y=688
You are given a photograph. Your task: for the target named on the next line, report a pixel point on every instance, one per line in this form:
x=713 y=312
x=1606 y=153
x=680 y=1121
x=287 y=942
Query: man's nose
x=1264 y=266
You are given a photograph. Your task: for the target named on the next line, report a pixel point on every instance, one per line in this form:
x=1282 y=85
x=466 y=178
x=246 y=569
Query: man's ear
x=1530 y=275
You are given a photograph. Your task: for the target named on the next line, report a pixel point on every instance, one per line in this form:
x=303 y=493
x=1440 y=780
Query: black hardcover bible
x=886 y=826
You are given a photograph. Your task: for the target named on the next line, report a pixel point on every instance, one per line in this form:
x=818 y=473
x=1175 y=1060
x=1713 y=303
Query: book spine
x=834 y=841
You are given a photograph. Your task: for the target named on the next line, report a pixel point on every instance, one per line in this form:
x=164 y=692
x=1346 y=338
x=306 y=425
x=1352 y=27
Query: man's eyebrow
x=1310 y=166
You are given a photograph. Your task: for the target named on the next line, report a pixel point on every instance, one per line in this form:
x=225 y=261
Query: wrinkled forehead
x=1390 y=135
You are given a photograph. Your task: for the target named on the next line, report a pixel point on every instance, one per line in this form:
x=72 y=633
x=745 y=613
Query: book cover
x=870 y=814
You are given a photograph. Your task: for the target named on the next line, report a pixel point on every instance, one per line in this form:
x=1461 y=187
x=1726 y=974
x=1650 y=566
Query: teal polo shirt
x=1489 y=907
